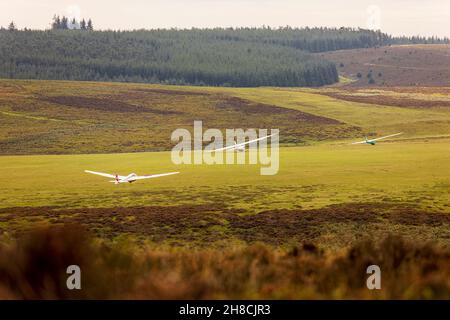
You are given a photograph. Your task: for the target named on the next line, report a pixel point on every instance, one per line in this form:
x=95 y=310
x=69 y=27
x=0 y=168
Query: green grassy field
x=309 y=177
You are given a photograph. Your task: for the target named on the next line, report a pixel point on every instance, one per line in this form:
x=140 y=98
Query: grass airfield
x=354 y=192
x=308 y=177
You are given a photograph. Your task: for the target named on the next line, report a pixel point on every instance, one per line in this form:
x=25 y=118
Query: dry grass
x=33 y=267
x=406 y=65
x=214 y=225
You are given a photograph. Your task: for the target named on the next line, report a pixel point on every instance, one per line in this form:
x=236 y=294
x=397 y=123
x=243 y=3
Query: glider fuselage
x=128 y=178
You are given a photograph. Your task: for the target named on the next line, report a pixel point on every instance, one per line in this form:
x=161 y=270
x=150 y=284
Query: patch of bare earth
x=103 y=104
x=173 y=92
x=380 y=99
x=249 y=108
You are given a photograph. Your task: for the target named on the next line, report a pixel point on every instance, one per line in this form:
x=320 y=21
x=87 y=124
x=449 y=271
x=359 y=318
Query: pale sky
x=397 y=17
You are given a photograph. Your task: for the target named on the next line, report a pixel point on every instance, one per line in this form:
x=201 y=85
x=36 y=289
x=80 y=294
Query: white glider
x=129 y=178
x=240 y=146
x=373 y=141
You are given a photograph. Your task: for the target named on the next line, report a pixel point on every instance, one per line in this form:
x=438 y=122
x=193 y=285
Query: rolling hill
x=62 y=117
x=51 y=117
x=398 y=65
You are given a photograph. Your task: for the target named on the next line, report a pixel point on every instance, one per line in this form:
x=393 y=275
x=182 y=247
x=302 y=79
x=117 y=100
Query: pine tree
x=83 y=24
x=56 y=24
x=12 y=26
x=64 y=23
x=90 y=27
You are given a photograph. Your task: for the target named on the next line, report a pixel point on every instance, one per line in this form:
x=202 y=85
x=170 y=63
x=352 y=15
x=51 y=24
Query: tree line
x=240 y=57
x=64 y=23
x=418 y=40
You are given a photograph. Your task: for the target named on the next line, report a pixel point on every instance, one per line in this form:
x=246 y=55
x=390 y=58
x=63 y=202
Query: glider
x=373 y=141
x=129 y=178
x=240 y=146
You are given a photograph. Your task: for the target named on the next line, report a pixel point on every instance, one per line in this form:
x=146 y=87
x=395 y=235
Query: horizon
x=402 y=18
